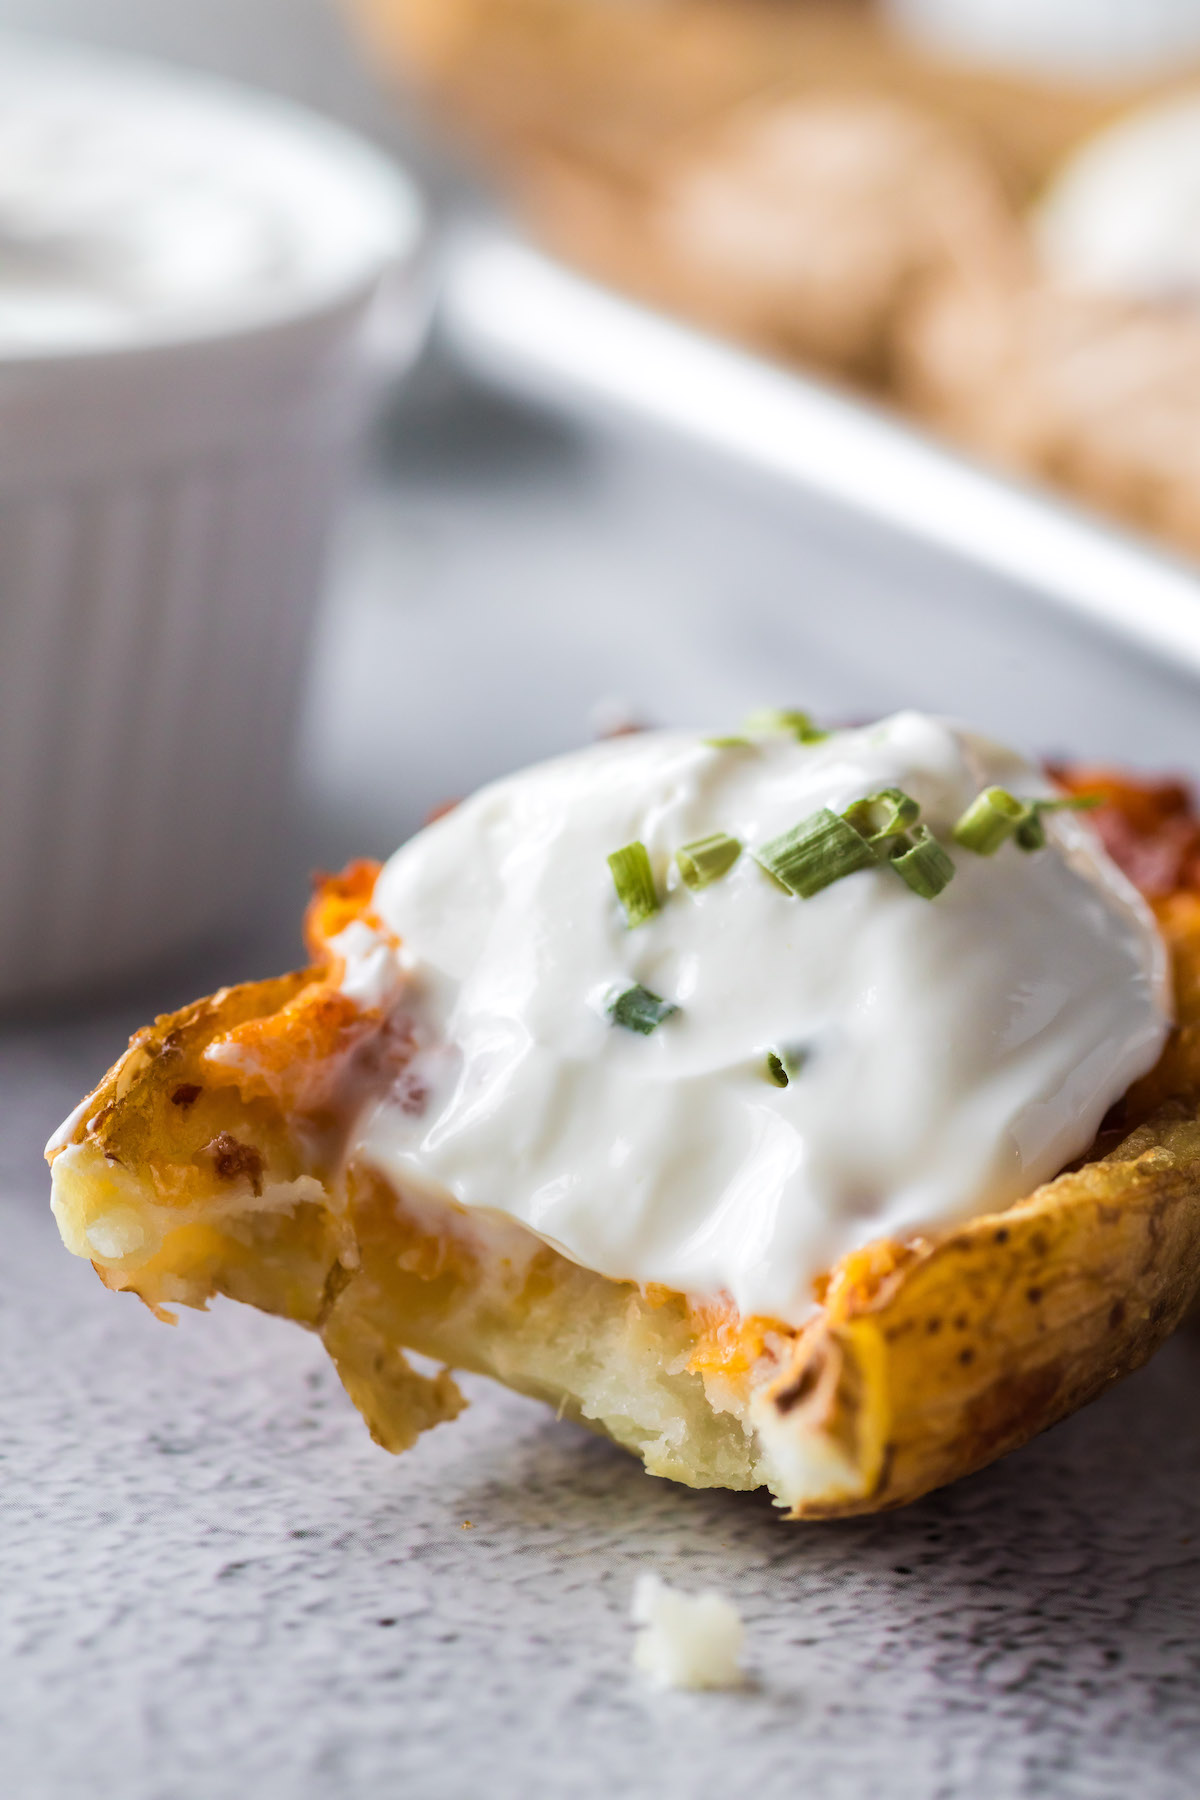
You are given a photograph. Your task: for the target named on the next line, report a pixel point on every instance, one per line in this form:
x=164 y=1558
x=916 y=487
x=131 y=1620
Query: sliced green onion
x=1031 y=833
x=708 y=858
x=818 y=851
x=633 y=879
x=783 y=1065
x=924 y=865
x=771 y=721
x=887 y=814
x=637 y=1009
x=996 y=815
x=732 y=742
x=989 y=821
x=1071 y=803
x=1067 y=803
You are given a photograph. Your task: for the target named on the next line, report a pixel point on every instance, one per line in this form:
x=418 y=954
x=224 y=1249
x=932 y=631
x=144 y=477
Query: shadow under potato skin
x=1031 y=1630
x=1083 y=1548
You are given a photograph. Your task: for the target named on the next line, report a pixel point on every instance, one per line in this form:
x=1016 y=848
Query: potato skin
x=191 y=1171
x=973 y=1344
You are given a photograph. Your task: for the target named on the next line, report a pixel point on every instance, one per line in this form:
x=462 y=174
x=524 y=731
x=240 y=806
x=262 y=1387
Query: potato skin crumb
x=686 y=1640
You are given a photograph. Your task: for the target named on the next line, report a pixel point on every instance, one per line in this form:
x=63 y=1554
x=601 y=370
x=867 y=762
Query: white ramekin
x=165 y=504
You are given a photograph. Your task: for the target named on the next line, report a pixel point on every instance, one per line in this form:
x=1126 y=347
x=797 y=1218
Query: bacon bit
x=234 y=1160
x=186 y=1094
x=1152 y=831
x=1149 y=828
x=1178 y=1069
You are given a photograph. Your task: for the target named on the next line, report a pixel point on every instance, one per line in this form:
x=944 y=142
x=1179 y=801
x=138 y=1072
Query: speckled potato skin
x=927 y=1360
x=975 y=1343
x=232 y=1196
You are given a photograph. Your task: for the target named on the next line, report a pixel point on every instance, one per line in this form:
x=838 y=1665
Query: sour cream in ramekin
x=194 y=285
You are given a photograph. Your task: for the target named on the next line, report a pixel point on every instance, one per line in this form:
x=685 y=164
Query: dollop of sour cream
x=950 y=1054
x=1123 y=215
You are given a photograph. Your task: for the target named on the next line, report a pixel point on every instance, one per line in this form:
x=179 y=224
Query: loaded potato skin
x=210 y=1161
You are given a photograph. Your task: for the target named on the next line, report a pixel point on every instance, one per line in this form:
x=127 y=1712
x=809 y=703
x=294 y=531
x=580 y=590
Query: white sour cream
x=959 y=1051
x=1124 y=213
x=140 y=205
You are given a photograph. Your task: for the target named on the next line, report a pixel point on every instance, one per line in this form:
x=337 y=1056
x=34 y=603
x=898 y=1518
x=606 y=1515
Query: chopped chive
x=887 y=814
x=1071 y=803
x=1031 y=833
x=770 y=721
x=996 y=815
x=922 y=863
x=818 y=851
x=708 y=858
x=633 y=879
x=1075 y=803
x=992 y=818
x=637 y=1009
x=783 y=1065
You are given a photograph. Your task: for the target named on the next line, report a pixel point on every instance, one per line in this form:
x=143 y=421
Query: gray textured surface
x=212 y=1583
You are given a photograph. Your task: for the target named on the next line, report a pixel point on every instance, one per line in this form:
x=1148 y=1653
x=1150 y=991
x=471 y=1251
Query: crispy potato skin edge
x=915 y=1373
x=986 y=1338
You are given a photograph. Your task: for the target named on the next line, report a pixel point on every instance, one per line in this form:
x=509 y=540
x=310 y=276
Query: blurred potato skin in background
x=793 y=176
x=1096 y=395
x=618 y=79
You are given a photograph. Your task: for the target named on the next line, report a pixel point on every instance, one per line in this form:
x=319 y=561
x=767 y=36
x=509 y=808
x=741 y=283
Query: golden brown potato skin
x=1092 y=393
x=787 y=175
x=189 y=1173
x=612 y=87
x=976 y=1343
x=194 y=1160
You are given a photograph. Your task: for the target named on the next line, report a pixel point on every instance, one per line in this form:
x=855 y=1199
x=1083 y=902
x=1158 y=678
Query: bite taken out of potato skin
x=211 y=1160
